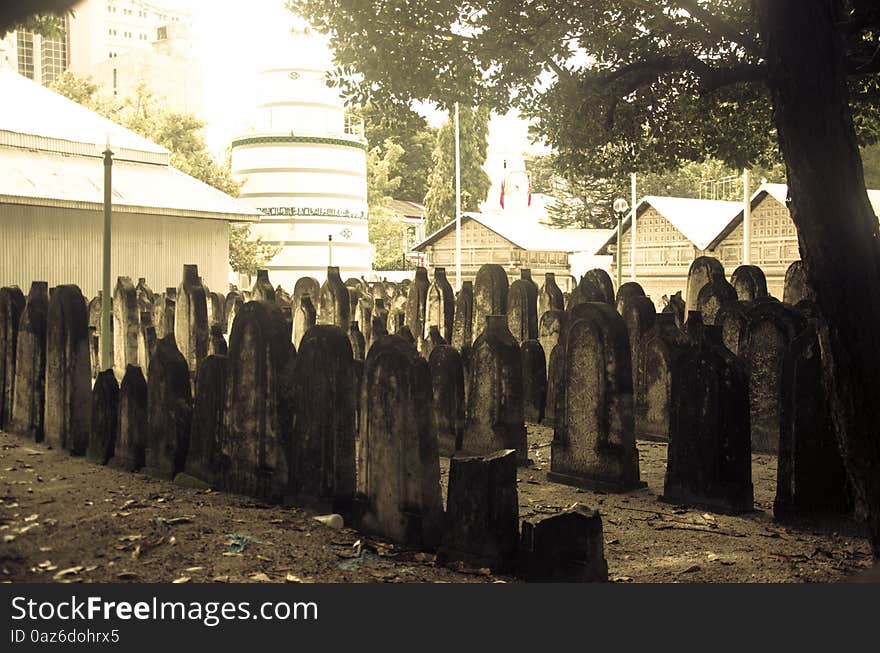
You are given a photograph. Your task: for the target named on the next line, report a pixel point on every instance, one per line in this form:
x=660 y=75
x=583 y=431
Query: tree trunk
x=837 y=229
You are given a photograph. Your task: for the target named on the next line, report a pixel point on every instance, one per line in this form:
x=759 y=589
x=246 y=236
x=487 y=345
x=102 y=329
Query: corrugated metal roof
x=779 y=192
x=407 y=208
x=36 y=117
x=66 y=180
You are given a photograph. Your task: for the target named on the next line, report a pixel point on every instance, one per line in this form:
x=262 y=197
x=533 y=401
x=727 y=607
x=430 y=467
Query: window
x=25 y=46
x=54 y=58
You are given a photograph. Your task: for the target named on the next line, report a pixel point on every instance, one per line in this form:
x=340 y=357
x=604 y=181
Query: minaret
x=305 y=167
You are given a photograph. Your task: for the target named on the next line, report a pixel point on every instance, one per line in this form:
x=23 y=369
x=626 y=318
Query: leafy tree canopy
x=44 y=17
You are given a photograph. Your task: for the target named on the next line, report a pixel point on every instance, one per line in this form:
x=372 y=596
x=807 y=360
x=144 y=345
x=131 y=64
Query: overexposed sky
x=235 y=40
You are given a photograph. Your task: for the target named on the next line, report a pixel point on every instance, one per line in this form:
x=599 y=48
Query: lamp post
x=106 y=363
x=621 y=206
x=329 y=250
x=457 y=200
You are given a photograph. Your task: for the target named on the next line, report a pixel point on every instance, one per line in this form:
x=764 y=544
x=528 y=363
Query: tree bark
x=837 y=229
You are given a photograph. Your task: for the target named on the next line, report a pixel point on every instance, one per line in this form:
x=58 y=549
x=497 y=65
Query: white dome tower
x=305 y=167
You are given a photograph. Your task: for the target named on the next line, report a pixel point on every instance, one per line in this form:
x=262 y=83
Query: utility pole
x=457 y=200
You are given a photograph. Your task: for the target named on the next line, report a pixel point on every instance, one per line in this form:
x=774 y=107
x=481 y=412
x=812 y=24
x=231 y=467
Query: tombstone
x=434 y=339
x=364 y=316
x=749 y=282
x=256 y=441
x=379 y=320
x=146 y=342
x=441 y=305
x=490 y=298
x=628 y=291
x=397 y=314
x=304 y=287
x=550 y=296
x=126 y=325
x=522 y=310
x=811 y=481
x=769 y=329
x=145 y=296
x=797 y=287
x=217 y=311
x=554 y=379
x=566 y=547
x=94 y=310
x=131 y=433
x=601 y=280
x=675 y=307
x=416 y=306
x=357 y=341
x=639 y=316
x=333 y=301
x=732 y=320
x=482 y=511
x=29 y=387
x=204 y=459
x=68 y=372
x=594 y=442
x=494 y=418
x=703 y=270
x=534 y=367
x=712 y=297
x=322 y=467
x=463 y=322
x=709 y=460
x=104 y=418
x=234 y=301
x=163 y=314
x=661 y=347
x=447 y=406
x=169 y=409
x=548 y=331
x=216 y=341
x=398 y=460
x=304 y=319
x=11 y=308
x=262 y=290
x=191 y=318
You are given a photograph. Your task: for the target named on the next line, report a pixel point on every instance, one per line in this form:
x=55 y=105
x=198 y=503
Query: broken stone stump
x=255 y=440
x=594 y=443
x=567 y=547
x=490 y=296
x=204 y=459
x=169 y=414
x=105 y=418
x=534 y=368
x=29 y=388
x=447 y=407
x=131 y=433
x=399 y=465
x=322 y=467
x=482 y=511
x=11 y=308
x=709 y=460
x=68 y=372
x=191 y=318
x=494 y=418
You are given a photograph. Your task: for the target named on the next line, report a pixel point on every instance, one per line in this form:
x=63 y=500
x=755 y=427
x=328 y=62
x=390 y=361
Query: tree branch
x=719 y=26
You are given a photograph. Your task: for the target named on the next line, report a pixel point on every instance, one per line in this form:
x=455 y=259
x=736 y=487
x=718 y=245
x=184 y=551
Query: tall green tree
x=440 y=198
x=633 y=85
x=44 y=17
x=386 y=230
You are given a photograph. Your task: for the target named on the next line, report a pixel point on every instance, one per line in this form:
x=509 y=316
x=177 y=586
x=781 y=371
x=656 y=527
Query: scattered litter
x=261 y=578
x=333 y=521
x=290 y=578
x=236 y=543
x=70 y=571
x=182 y=579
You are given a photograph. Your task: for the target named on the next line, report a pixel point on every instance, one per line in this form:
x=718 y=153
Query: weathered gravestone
x=105 y=418
x=675 y=307
x=660 y=350
x=95 y=340
x=169 y=411
x=639 y=315
x=256 y=440
x=463 y=322
x=397 y=312
x=433 y=339
x=548 y=331
x=234 y=301
x=131 y=433
x=126 y=325
x=262 y=290
x=205 y=464
x=441 y=304
x=357 y=340
x=594 y=442
x=709 y=456
x=11 y=308
x=282 y=297
x=796 y=287
x=322 y=462
x=713 y=297
x=304 y=318
x=145 y=296
x=628 y=291
x=29 y=388
x=163 y=314
x=811 y=480
x=191 y=318
x=494 y=418
x=217 y=311
x=534 y=367
x=490 y=297
x=482 y=511
x=554 y=378
x=594 y=286
x=522 y=310
x=216 y=342
x=417 y=306
x=703 y=270
x=146 y=342
x=566 y=547
x=334 y=304
x=399 y=465
x=749 y=282
x=447 y=407
x=550 y=296
x=68 y=372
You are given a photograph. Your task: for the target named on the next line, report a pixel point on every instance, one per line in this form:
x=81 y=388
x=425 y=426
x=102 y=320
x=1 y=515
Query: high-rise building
x=37 y=57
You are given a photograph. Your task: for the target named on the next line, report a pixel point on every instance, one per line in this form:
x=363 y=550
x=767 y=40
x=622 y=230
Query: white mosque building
x=304 y=165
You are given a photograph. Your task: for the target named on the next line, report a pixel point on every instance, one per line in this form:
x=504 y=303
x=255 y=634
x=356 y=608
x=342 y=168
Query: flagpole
x=747 y=219
x=632 y=262
x=457 y=201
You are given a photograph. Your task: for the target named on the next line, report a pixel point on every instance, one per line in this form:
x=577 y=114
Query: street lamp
x=106 y=363
x=621 y=206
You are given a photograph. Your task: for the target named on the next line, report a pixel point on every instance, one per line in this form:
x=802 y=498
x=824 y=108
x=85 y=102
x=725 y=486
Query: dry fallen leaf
x=261 y=578
x=70 y=571
x=290 y=578
x=182 y=579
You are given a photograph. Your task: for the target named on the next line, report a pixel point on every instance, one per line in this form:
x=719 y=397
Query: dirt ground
x=63 y=519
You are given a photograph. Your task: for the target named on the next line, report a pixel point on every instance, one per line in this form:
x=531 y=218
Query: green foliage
x=871 y=165
x=388 y=236
x=246 y=253
x=440 y=198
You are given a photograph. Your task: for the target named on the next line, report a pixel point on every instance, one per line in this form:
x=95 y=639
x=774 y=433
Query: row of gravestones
x=317 y=427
